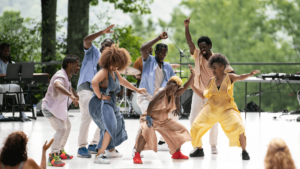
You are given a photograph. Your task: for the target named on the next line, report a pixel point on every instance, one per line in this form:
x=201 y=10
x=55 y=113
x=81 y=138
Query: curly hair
x=218 y=58
x=278 y=155
x=117 y=57
x=69 y=59
x=205 y=39
x=176 y=79
x=14 y=150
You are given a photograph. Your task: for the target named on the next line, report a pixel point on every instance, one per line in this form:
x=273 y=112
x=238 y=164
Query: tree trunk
x=78 y=28
x=48 y=33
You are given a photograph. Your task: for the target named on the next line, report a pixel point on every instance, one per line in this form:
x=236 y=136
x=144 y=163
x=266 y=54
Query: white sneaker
x=133 y=153
x=163 y=147
x=113 y=154
x=214 y=150
x=193 y=150
x=101 y=159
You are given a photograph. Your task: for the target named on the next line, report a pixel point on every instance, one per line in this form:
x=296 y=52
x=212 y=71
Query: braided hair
x=160 y=46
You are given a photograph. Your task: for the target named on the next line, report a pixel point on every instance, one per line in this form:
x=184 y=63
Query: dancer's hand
x=104 y=97
x=149 y=120
x=192 y=71
x=108 y=29
x=176 y=112
x=254 y=72
x=187 y=22
x=74 y=98
x=141 y=90
x=46 y=146
x=163 y=35
x=76 y=103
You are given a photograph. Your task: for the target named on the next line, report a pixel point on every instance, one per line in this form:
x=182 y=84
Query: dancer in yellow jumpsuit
x=220 y=107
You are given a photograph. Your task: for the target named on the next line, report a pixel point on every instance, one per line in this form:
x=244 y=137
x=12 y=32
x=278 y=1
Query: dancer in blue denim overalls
x=102 y=106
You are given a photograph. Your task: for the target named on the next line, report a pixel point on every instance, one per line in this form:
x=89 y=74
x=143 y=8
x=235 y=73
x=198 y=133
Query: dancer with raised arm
x=220 y=107
x=155 y=118
x=103 y=108
x=88 y=70
x=202 y=77
x=156 y=74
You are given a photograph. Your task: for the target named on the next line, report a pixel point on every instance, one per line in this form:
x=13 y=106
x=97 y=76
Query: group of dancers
x=212 y=81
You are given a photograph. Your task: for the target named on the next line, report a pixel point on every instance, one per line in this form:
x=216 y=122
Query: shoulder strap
x=21 y=165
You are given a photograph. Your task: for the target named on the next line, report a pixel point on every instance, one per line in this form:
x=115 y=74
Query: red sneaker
x=137 y=158
x=64 y=155
x=179 y=155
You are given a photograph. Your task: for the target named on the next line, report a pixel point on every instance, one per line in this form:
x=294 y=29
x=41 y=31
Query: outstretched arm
x=181 y=90
x=87 y=41
x=188 y=36
x=128 y=85
x=234 y=77
x=198 y=92
x=146 y=46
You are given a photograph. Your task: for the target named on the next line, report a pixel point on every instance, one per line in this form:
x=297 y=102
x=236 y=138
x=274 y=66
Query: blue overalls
x=107 y=116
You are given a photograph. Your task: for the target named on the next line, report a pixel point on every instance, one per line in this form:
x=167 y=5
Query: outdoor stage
x=259 y=131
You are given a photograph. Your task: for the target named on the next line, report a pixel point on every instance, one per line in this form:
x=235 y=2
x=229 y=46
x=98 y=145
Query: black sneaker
x=197 y=153
x=245 y=155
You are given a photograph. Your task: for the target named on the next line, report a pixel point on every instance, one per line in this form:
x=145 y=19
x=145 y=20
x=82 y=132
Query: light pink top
x=202 y=72
x=54 y=101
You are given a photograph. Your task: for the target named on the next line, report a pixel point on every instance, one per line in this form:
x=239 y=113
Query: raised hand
x=163 y=35
x=141 y=90
x=254 y=72
x=192 y=71
x=187 y=22
x=108 y=29
x=46 y=146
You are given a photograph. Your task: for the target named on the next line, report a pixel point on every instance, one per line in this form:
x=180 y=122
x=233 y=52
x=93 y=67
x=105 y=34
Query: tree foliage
x=243 y=32
x=128 y=6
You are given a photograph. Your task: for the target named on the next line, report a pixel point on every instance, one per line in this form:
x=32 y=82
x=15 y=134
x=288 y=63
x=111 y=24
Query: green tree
x=287 y=19
x=240 y=30
x=78 y=22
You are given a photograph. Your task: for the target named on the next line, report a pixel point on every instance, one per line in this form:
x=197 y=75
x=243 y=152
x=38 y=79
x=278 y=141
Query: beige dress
x=173 y=132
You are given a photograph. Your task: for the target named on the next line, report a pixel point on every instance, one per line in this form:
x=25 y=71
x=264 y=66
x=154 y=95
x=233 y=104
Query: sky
x=32 y=8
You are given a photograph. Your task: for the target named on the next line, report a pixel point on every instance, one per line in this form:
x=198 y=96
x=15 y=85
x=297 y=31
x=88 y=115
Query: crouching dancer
x=156 y=119
x=55 y=105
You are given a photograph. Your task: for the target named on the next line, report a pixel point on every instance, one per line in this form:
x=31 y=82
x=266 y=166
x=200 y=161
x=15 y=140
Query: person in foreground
x=89 y=69
x=220 y=107
x=103 y=108
x=155 y=118
x=278 y=155
x=14 y=153
x=55 y=105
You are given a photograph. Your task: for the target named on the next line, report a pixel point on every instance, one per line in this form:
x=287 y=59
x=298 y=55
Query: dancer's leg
x=106 y=140
x=141 y=143
x=243 y=141
x=84 y=99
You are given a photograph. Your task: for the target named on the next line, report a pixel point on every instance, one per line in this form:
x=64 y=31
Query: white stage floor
x=259 y=132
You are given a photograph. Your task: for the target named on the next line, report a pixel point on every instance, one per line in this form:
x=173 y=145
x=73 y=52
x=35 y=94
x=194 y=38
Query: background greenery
x=242 y=30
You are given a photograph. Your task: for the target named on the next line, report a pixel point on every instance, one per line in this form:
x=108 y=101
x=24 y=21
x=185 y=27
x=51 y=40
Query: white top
x=159 y=77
